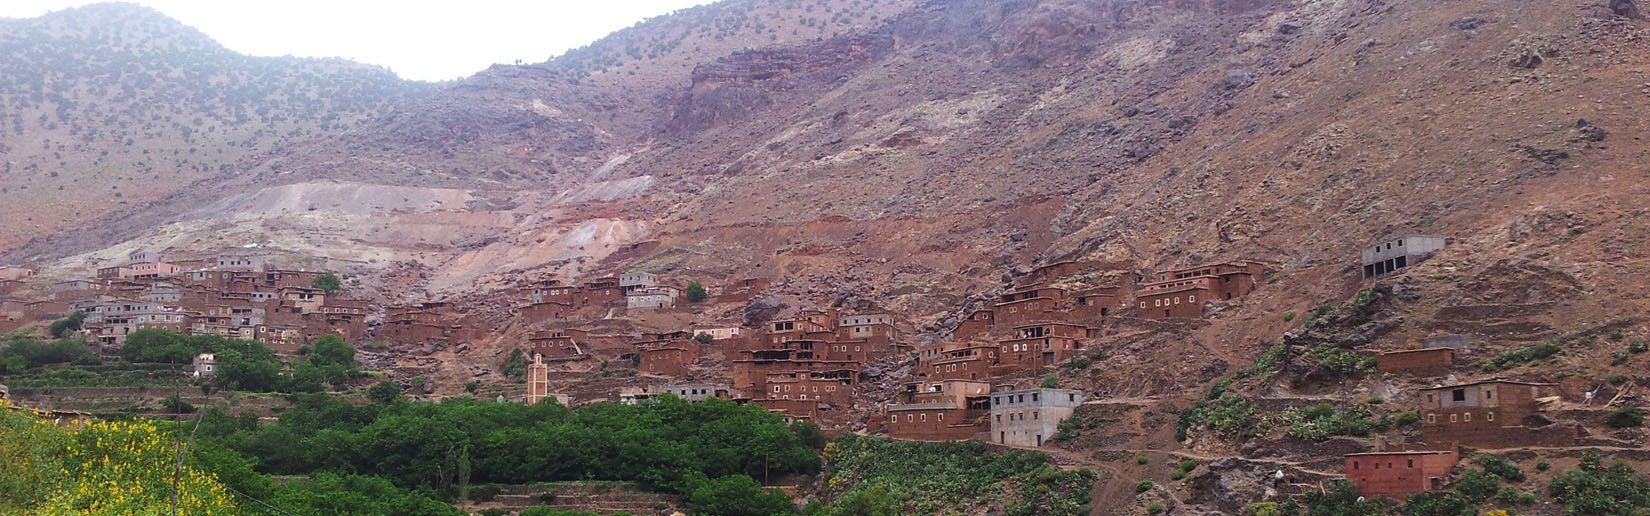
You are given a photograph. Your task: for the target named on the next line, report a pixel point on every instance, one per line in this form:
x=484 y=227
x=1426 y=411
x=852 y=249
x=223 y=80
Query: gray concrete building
x=1391 y=255
x=1030 y=417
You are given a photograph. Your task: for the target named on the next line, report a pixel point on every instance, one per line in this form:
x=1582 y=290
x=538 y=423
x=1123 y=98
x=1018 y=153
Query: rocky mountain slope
x=111 y=106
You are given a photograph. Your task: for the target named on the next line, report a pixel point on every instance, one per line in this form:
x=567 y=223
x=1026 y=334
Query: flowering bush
x=100 y=468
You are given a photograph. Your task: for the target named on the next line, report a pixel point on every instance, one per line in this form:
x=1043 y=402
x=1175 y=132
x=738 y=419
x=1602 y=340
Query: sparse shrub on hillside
x=1437 y=504
x=1477 y=486
x=1408 y=418
x=1154 y=509
x=1340 y=360
x=472 y=386
x=1511 y=359
x=1051 y=381
x=1078 y=363
x=1638 y=346
x=704 y=339
x=1177 y=475
x=1625 y=417
x=1144 y=485
x=1618 y=379
x=1320 y=312
x=1288 y=316
x=384 y=392
x=1141 y=460
x=1341 y=499
x=63 y=327
x=1227 y=415
x=1501 y=468
x=1322 y=421
x=1070 y=428
x=1542 y=465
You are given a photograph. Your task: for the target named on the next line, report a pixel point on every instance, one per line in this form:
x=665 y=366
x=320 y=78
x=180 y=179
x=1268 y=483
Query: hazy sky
x=418 y=39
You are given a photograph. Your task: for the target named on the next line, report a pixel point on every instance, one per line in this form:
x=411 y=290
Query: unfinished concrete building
x=1393 y=255
x=1029 y=417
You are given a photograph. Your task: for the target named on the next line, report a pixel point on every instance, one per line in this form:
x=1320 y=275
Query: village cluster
x=807 y=365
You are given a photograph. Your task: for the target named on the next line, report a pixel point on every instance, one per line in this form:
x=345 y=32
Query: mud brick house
x=602 y=292
x=1182 y=293
x=557 y=344
x=1042 y=344
x=1028 y=417
x=1392 y=255
x=1095 y=303
x=1398 y=474
x=834 y=387
x=14 y=273
x=964 y=361
x=977 y=324
x=941 y=411
x=1416 y=361
x=635 y=281
x=668 y=354
x=794 y=410
x=865 y=336
x=425 y=323
x=751 y=369
x=553 y=309
x=1031 y=303
x=1490 y=413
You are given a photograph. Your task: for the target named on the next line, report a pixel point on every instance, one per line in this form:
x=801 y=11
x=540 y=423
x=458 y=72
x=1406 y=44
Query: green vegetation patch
x=929 y=477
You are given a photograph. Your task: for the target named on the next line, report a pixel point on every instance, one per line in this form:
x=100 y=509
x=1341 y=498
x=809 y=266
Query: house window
x=1432 y=418
x=1411 y=463
x=1459 y=395
x=1191 y=298
x=941 y=416
x=1489 y=416
x=1034 y=415
x=1489 y=394
x=925 y=418
x=909 y=418
x=1354 y=464
x=1452 y=418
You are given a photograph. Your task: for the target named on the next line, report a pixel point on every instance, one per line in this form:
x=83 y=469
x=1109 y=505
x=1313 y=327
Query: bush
x=329 y=283
x=1594 y=488
x=1625 y=417
x=1375 y=400
x=1144 y=485
x=1141 y=460
x=23 y=352
x=1638 y=346
x=738 y=495
x=1288 y=316
x=1177 y=475
x=1051 y=381
x=704 y=339
x=695 y=291
x=1617 y=379
x=1079 y=363
x=1261 y=509
x=1409 y=418
x=384 y=392
x=1501 y=468
x=472 y=386
x=63 y=327
x=1154 y=508
x=1542 y=465
x=1477 y=486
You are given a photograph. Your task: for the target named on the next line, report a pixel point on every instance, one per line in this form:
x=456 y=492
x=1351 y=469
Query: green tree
x=329 y=283
x=384 y=392
x=810 y=434
x=695 y=291
x=1051 y=381
x=738 y=495
x=1596 y=489
x=1625 y=417
x=515 y=367
x=875 y=501
x=63 y=327
x=332 y=350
